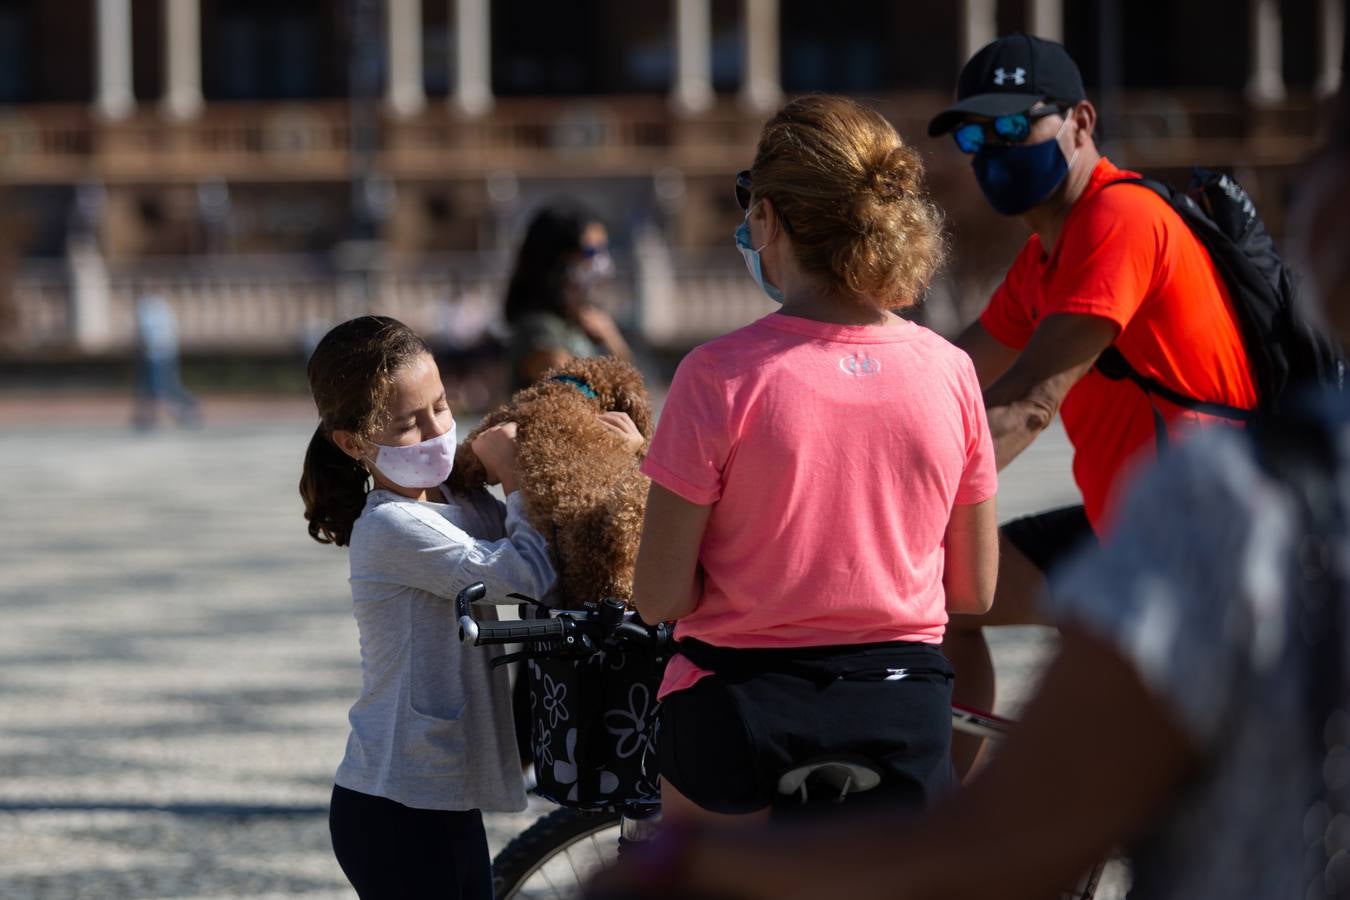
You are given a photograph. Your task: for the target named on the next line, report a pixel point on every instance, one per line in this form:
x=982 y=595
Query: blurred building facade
x=271 y=167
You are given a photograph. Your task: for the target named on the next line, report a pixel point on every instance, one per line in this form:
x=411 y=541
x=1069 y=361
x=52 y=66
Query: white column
x=1265 y=84
x=404 y=95
x=693 y=91
x=762 y=88
x=182 y=59
x=472 y=95
x=1045 y=18
x=90 y=295
x=114 y=98
x=1331 y=28
x=979 y=26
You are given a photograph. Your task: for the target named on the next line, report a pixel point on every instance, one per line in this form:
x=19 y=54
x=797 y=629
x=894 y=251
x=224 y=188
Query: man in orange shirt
x=1104 y=266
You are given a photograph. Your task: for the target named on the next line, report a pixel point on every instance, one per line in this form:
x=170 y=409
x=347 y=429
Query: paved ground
x=178 y=656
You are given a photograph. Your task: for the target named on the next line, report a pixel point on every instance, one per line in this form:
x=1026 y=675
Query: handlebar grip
x=470 y=595
x=468 y=628
x=516 y=632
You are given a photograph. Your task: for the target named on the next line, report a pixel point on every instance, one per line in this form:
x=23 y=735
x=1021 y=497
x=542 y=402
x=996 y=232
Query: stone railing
x=584 y=136
x=283 y=304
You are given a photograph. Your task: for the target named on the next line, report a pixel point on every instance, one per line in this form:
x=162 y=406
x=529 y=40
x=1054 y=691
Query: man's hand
x=1025 y=396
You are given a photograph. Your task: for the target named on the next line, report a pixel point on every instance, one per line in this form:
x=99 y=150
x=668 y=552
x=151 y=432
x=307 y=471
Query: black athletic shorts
x=724 y=742
x=1048 y=538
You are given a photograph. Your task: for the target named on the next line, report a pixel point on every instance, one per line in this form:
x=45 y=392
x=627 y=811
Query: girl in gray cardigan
x=431 y=743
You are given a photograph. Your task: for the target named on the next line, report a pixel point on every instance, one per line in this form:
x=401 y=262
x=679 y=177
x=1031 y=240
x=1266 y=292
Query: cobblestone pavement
x=178 y=656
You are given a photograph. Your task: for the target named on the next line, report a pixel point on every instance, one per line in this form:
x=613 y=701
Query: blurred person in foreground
x=549 y=308
x=1195 y=712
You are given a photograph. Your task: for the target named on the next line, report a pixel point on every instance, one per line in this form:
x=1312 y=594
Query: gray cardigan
x=433 y=728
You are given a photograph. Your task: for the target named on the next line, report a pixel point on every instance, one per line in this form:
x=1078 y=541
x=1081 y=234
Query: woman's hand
x=496 y=450
x=620 y=423
x=599 y=327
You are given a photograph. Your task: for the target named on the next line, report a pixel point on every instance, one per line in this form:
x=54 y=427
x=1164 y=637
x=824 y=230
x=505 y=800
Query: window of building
x=879 y=46
x=264 y=50
x=13 y=61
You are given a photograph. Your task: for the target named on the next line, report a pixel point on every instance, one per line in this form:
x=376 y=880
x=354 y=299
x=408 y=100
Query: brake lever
x=508 y=658
x=537 y=604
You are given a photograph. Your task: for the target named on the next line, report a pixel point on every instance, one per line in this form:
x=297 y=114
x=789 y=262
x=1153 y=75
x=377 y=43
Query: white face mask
x=423 y=465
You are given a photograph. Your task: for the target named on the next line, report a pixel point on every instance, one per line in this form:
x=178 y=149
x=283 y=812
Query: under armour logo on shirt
x=860 y=364
x=1018 y=76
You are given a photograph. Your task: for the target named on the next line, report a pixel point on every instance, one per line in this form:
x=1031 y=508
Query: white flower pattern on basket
x=554 y=695
x=565 y=771
x=543 y=746
x=630 y=725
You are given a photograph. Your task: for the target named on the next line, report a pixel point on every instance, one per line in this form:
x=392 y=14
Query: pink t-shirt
x=832 y=456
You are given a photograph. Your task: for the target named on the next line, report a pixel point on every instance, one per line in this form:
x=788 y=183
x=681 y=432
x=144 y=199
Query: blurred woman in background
x=549 y=309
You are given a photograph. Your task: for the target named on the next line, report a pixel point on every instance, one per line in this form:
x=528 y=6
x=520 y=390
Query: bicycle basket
x=592 y=723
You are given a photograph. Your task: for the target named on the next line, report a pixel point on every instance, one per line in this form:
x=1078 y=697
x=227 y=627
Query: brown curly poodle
x=580 y=482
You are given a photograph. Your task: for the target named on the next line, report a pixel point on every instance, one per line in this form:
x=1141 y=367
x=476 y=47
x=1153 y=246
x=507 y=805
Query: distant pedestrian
x=158 y=377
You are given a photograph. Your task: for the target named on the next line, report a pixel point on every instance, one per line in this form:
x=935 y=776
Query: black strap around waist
x=820 y=665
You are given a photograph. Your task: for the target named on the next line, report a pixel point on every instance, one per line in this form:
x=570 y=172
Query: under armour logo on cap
x=1010 y=76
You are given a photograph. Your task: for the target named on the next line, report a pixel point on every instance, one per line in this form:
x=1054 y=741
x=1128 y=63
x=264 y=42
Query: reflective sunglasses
x=1010 y=129
x=743 y=185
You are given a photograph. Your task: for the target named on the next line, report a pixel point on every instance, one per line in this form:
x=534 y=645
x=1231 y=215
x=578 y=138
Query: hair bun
x=854 y=193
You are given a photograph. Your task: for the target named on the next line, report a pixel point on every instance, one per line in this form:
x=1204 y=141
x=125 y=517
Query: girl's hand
x=623 y=426
x=496 y=450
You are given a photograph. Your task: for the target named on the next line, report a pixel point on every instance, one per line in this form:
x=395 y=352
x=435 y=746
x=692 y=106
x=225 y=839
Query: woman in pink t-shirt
x=822 y=488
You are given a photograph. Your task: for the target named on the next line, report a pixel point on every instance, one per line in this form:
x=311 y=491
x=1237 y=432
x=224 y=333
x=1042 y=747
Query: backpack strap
x=1113 y=365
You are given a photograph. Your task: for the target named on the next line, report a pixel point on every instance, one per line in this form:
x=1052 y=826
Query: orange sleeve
x=1008 y=316
x=1108 y=255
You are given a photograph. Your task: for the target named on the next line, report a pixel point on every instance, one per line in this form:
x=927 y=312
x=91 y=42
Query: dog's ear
x=617 y=385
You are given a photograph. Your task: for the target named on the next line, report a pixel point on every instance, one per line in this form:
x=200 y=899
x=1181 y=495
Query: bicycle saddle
x=841 y=776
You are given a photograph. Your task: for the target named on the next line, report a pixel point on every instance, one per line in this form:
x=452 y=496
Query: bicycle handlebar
x=571 y=631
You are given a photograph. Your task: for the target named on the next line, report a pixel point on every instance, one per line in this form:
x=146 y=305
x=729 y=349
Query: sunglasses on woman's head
x=1010 y=129
x=743 y=185
x=743 y=189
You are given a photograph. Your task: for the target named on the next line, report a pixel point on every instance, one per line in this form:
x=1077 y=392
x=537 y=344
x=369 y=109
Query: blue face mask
x=1018 y=177
x=752 y=262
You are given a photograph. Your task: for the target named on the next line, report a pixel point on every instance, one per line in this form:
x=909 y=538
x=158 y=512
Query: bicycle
x=557 y=855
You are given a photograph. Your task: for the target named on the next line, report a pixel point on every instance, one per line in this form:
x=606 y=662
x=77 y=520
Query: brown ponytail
x=350 y=374
x=333 y=486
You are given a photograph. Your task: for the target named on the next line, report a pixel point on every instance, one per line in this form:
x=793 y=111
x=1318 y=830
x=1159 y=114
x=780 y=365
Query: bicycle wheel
x=556 y=855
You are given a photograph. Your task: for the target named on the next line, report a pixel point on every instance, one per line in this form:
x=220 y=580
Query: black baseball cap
x=1011 y=75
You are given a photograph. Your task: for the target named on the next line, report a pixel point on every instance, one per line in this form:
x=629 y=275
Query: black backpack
x=1286 y=351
